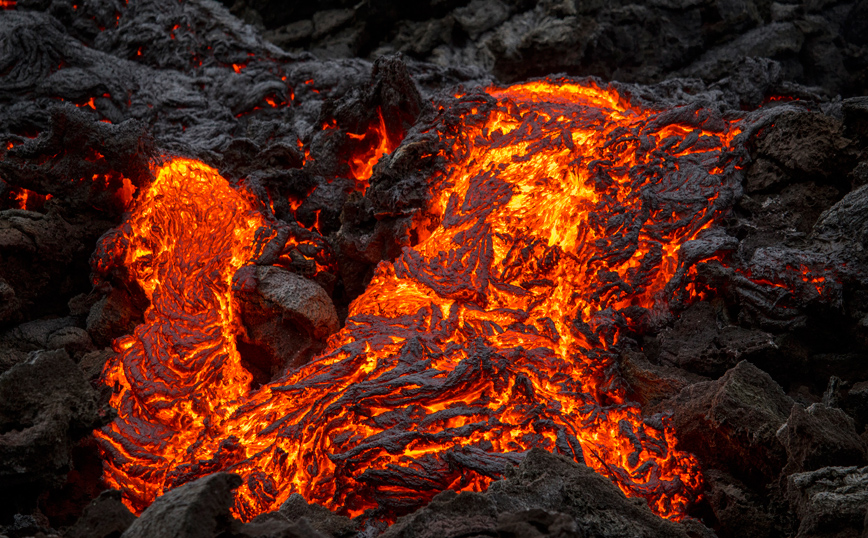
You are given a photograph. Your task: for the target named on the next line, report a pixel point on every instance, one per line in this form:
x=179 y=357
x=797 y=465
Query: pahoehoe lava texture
x=755 y=354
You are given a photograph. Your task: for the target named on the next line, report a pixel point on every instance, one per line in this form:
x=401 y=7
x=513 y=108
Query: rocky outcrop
x=731 y=423
x=287 y=318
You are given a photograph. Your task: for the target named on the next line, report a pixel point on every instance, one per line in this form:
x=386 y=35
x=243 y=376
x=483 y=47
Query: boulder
x=551 y=493
x=105 y=517
x=198 y=509
x=820 y=436
x=730 y=423
x=287 y=319
x=46 y=406
x=832 y=501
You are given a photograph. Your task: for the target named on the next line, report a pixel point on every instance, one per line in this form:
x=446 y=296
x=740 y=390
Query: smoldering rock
x=198 y=509
x=820 y=436
x=831 y=501
x=287 y=317
x=567 y=498
x=730 y=423
x=649 y=383
x=105 y=517
x=46 y=405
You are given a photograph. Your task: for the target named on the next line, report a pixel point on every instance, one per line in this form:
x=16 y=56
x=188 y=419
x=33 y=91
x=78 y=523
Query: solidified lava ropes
x=561 y=212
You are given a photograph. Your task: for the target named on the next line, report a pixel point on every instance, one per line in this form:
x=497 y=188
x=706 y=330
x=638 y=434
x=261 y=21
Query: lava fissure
x=566 y=217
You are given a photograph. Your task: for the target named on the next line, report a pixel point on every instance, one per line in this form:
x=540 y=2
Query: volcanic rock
x=287 y=317
x=274 y=525
x=736 y=507
x=832 y=501
x=105 y=517
x=554 y=495
x=798 y=147
x=45 y=406
x=323 y=520
x=820 y=436
x=115 y=315
x=702 y=341
x=731 y=423
x=198 y=509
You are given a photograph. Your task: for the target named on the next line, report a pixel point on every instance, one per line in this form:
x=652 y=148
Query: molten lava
x=372 y=145
x=561 y=212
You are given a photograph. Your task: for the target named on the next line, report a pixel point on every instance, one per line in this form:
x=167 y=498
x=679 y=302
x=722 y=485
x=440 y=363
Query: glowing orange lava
x=561 y=213
x=374 y=143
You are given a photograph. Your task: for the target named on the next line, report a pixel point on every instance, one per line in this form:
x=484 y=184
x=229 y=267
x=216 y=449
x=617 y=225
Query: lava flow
x=561 y=212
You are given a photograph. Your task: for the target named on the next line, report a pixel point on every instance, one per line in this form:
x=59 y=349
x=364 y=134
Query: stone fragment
x=547 y=492
x=735 y=507
x=105 y=517
x=198 y=509
x=820 y=436
x=730 y=423
x=287 y=318
x=45 y=406
x=832 y=501
x=115 y=315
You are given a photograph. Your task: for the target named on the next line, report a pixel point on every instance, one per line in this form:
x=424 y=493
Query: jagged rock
x=820 y=436
x=650 y=383
x=45 y=406
x=832 y=501
x=704 y=343
x=275 y=525
x=736 y=508
x=198 y=509
x=115 y=315
x=287 y=318
x=105 y=517
x=561 y=496
x=731 y=423
x=323 y=520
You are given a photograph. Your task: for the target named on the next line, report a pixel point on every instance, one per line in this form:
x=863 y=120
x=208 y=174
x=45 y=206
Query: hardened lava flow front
x=561 y=212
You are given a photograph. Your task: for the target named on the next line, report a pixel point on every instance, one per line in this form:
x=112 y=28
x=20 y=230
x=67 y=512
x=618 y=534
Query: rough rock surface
x=550 y=493
x=731 y=422
x=752 y=48
x=287 y=317
x=46 y=405
x=105 y=517
x=820 y=436
x=832 y=501
x=198 y=509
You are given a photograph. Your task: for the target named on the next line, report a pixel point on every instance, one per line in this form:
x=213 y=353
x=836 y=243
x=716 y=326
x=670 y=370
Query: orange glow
x=373 y=144
x=492 y=336
x=7 y=4
x=27 y=199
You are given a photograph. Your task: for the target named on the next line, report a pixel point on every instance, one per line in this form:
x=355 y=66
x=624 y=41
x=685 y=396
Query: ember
x=562 y=210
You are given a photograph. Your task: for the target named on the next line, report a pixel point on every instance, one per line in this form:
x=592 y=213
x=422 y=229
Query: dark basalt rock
x=198 y=509
x=832 y=501
x=820 y=436
x=287 y=318
x=46 y=405
x=731 y=423
x=105 y=517
x=554 y=495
